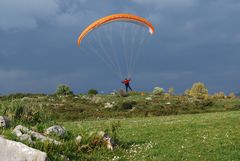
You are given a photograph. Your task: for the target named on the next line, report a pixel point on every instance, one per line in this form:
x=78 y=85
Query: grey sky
x=195 y=40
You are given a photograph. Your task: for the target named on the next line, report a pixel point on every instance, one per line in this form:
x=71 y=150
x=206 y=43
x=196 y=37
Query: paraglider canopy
x=115 y=17
x=116 y=40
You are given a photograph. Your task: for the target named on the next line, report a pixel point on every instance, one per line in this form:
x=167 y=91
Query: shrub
x=231 y=95
x=158 y=91
x=128 y=105
x=219 y=95
x=167 y=96
x=63 y=90
x=198 y=91
x=187 y=92
x=203 y=103
x=170 y=91
x=92 y=92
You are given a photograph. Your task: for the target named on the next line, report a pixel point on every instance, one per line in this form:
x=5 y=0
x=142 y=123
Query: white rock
x=96 y=99
x=133 y=109
x=4 y=122
x=149 y=98
x=15 y=151
x=168 y=103
x=26 y=137
x=21 y=132
x=64 y=158
x=26 y=99
x=109 y=104
x=100 y=133
x=60 y=131
x=78 y=139
x=86 y=97
x=51 y=99
x=113 y=93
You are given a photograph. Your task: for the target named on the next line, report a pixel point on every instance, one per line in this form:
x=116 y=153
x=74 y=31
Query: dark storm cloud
x=195 y=40
x=199 y=38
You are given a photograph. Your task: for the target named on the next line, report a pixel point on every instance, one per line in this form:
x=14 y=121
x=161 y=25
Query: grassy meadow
x=209 y=136
x=145 y=126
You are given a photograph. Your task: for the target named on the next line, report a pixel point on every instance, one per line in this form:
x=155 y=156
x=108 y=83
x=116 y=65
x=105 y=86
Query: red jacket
x=126 y=81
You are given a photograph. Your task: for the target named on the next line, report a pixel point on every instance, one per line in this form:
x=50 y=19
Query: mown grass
x=210 y=136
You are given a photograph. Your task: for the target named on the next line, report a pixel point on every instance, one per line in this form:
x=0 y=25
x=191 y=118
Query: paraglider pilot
x=127 y=84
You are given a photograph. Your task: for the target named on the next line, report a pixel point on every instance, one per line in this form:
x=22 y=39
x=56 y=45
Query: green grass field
x=209 y=136
x=163 y=128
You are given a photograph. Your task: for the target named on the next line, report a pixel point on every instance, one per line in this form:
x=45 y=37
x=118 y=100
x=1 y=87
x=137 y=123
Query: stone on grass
x=113 y=93
x=26 y=137
x=26 y=99
x=133 y=109
x=149 y=98
x=96 y=99
x=100 y=133
x=16 y=151
x=24 y=134
x=109 y=104
x=4 y=122
x=64 y=158
x=84 y=97
x=78 y=140
x=56 y=129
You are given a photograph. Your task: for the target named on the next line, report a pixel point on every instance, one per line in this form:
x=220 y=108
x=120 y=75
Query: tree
x=198 y=91
x=219 y=95
x=92 y=92
x=63 y=90
x=158 y=91
x=232 y=95
x=171 y=91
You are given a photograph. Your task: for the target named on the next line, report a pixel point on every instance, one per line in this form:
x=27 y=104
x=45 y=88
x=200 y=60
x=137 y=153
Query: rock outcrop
x=25 y=134
x=56 y=129
x=16 y=151
x=4 y=122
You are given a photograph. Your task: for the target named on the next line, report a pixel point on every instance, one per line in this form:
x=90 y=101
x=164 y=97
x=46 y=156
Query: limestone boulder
x=4 y=122
x=56 y=129
x=25 y=134
x=78 y=140
x=16 y=151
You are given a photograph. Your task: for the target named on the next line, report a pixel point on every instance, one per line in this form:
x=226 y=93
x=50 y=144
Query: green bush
x=92 y=92
x=158 y=91
x=198 y=90
x=128 y=105
x=231 y=95
x=63 y=90
x=219 y=95
x=171 y=91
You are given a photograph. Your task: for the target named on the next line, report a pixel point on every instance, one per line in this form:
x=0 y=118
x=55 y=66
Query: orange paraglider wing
x=112 y=18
